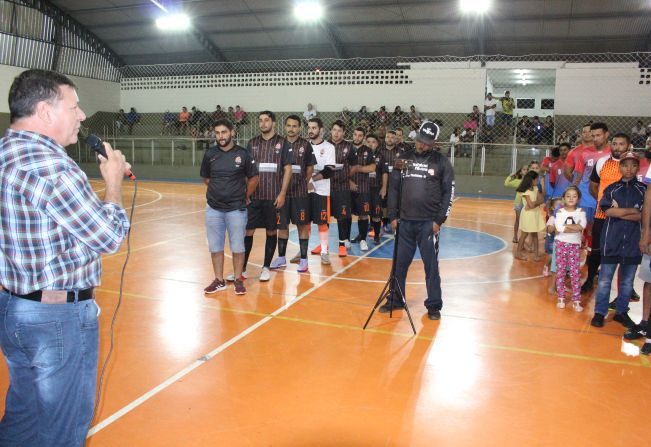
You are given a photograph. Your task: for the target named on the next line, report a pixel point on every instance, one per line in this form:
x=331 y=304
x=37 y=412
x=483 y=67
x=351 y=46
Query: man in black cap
x=427 y=193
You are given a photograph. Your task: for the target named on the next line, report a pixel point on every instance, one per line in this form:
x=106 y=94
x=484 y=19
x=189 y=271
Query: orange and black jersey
x=345 y=158
x=301 y=155
x=271 y=155
x=362 y=179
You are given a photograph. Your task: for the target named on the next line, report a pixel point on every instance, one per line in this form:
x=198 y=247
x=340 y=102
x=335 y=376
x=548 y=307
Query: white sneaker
x=347 y=244
x=577 y=306
x=265 y=275
x=363 y=245
x=325 y=259
x=561 y=303
x=231 y=277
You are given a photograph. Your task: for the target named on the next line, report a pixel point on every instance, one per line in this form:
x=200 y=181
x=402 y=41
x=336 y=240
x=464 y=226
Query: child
x=513 y=181
x=622 y=202
x=570 y=223
x=531 y=219
x=553 y=204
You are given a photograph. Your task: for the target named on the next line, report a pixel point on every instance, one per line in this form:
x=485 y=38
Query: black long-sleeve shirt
x=427 y=188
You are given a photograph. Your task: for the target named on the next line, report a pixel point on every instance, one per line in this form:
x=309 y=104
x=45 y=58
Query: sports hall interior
x=289 y=363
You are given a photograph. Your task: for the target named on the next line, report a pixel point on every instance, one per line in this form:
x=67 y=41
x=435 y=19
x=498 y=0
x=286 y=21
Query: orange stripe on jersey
x=609 y=174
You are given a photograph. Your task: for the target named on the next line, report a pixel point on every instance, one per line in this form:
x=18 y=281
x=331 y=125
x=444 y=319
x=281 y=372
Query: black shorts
x=297 y=210
x=376 y=203
x=361 y=204
x=341 y=205
x=263 y=214
x=320 y=209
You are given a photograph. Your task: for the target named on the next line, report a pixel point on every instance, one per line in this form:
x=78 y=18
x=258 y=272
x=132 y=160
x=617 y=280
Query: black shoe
x=376 y=239
x=587 y=286
x=613 y=304
x=624 y=320
x=645 y=349
x=355 y=240
x=433 y=314
x=597 y=320
x=636 y=332
x=386 y=307
x=635 y=297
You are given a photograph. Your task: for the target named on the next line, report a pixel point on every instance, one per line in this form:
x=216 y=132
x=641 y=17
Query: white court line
x=202 y=360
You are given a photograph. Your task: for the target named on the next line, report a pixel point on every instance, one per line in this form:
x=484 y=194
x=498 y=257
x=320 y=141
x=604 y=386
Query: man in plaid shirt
x=54 y=230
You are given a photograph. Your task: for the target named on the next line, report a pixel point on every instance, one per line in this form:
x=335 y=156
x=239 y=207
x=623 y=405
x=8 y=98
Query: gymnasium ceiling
x=240 y=30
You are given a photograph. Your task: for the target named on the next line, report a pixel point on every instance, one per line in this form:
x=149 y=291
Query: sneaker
x=325 y=259
x=635 y=297
x=613 y=304
x=546 y=271
x=433 y=314
x=239 y=288
x=624 y=320
x=376 y=239
x=597 y=320
x=347 y=244
x=278 y=263
x=576 y=305
x=302 y=266
x=561 y=303
x=342 y=251
x=264 y=274
x=215 y=286
x=386 y=307
x=645 y=349
x=636 y=332
x=363 y=245
x=295 y=259
x=231 y=277
x=316 y=250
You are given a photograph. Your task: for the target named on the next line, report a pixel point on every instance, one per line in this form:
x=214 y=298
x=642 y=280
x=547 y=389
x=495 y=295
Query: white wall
x=601 y=90
x=94 y=95
x=440 y=90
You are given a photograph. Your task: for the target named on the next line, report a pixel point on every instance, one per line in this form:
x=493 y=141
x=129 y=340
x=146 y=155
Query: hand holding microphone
x=112 y=162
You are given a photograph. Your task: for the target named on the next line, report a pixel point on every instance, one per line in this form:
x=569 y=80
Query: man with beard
x=556 y=172
x=574 y=156
x=360 y=185
x=297 y=208
x=388 y=154
x=401 y=145
x=272 y=154
x=340 y=186
x=231 y=175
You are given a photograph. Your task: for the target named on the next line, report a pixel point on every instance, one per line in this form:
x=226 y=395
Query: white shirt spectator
x=310 y=112
x=490 y=103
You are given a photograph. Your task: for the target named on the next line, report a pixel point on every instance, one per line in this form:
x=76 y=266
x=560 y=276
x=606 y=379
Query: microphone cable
x=117 y=307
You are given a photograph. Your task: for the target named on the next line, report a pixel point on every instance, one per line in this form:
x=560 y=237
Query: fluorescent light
x=474 y=6
x=308 y=11
x=173 y=22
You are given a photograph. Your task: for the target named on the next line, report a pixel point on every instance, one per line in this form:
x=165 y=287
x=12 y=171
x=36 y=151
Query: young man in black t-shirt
x=360 y=184
x=231 y=175
x=271 y=152
x=297 y=206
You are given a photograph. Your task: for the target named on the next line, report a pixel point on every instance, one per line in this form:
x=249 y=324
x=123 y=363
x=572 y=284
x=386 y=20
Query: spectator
x=399 y=118
x=548 y=130
x=415 y=117
x=184 y=118
x=508 y=104
x=381 y=134
x=638 y=134
x=454 y=139
x=563 y=138
x=195 y=115
x=346 y=117
x=169 y=121
x=382 y=116
x=525 y=130
x=537 y=131
x=489 y=109
x=468 y=135
x=133 y=117
x=476 y=114
x=120 y=121
x=363 y=118
x=231 y=114
x=218 y=114
x=239 y=117
x=310 y=112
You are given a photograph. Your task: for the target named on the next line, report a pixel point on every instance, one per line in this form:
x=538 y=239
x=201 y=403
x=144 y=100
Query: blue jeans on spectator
x=51 y=351
x=606 y=273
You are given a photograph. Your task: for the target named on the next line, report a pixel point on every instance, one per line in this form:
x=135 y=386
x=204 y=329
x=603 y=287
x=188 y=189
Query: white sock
x=323 y=236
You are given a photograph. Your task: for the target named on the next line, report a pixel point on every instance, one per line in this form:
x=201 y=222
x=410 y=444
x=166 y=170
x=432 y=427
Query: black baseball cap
x=427 y=133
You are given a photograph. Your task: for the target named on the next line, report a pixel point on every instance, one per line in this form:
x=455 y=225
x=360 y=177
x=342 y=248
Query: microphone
x=96 y=144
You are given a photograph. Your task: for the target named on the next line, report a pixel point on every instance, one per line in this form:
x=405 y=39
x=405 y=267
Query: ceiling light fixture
x=173 y=22
x=308 y=11
x=474 y=6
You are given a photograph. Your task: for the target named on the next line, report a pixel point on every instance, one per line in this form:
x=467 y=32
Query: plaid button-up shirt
x=54 y=227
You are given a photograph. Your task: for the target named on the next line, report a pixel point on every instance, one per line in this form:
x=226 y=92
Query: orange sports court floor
x=287 y=364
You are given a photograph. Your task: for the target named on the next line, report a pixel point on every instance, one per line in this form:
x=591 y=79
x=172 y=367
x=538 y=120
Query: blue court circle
x=455 y=243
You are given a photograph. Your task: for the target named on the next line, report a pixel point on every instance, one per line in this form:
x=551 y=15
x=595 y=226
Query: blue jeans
x=606 y=273
x=218 y=222
x=51 y=351
x=419 y=233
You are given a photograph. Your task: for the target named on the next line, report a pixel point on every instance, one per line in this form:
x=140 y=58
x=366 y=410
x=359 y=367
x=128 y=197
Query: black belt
x=86 y=294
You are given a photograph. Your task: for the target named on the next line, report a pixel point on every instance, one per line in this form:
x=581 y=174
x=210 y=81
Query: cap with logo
x=427 y=133
x=629 y=156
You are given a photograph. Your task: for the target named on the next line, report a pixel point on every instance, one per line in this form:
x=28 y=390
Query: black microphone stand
x=391 y=287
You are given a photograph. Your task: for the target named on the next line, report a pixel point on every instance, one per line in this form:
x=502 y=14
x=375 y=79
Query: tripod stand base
x=389 y=295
